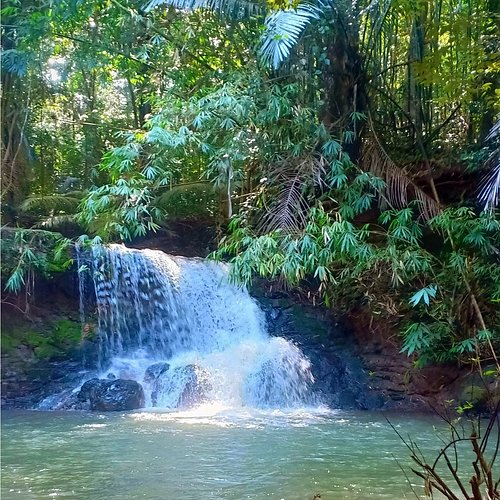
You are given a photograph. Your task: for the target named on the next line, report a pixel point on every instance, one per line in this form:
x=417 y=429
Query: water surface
x=209 y=453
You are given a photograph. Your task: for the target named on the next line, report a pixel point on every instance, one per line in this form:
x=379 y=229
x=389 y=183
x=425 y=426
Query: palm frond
x=283 y=30
x=232 y=8
x=399 y=187
x=290 y=184
x=489 y=194
x=51 y=203
x=288 y=210
x=494 y=133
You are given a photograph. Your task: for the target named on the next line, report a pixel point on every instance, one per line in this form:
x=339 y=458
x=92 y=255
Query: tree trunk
x=343 y=85
x=15 y=150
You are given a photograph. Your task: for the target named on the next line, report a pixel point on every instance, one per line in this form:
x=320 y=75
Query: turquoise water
x=210 y=453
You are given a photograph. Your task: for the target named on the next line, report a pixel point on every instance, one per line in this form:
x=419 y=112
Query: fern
x=52 y=203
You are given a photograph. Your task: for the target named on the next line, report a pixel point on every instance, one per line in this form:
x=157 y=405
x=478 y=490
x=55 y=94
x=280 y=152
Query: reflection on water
x=208 y=453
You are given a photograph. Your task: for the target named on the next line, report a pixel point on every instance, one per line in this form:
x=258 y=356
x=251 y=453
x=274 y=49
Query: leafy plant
x=27 y=252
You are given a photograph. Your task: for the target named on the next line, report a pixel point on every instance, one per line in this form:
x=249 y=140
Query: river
x=210 y=453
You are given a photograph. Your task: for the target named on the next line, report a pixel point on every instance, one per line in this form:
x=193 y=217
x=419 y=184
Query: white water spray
x=178 y=327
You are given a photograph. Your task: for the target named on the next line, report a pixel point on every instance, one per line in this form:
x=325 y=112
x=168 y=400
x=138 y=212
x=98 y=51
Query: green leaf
x=424 y=294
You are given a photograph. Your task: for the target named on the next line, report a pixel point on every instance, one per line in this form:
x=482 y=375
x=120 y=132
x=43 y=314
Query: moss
x=64 y=336
x=67 y=332
x=33 y=339
x=48 y=351
x=58 y=339
x=9 y=343
x=475 y=395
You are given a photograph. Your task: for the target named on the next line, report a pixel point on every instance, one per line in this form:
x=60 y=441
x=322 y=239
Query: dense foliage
x=350 y=147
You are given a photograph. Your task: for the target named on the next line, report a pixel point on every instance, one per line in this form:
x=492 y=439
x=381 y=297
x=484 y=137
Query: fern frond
x=399 y=188
x=51 y=203
x=55 y=222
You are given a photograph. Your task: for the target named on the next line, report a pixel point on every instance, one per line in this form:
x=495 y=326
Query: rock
x=154 y=371
x=272 y=313
x=477 y=396
x=152 y=376
x=88 y=389
x=196 y=387
x=190 y=382
x=112 y=395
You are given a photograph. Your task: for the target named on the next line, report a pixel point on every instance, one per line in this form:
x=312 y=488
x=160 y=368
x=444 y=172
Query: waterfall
x=178 y=327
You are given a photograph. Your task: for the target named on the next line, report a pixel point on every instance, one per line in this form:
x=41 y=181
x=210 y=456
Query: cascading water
x=178 y=327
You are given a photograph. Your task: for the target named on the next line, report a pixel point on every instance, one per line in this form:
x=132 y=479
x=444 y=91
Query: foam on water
x=217 y=415
x=157 y=308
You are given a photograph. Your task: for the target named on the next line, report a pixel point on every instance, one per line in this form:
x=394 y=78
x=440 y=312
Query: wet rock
x=88 y=389
x=154 y=371
x=112 y=395
x=67 y=400
x=196 y=387
x=340 y=378
x=272 y=313
x=152 y=376
x=189 y=382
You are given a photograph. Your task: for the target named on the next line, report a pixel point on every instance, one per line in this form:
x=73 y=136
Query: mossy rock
x=479 y=398
x=9 y=343
x=60 y=343
x=48 y=351
x=59 y=340
x=474 y=394
x=67 y=332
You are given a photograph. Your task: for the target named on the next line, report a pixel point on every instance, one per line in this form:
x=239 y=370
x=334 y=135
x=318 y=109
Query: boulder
x=196 y=386
x=152 y=376
x=154 y=371
x=112 y=395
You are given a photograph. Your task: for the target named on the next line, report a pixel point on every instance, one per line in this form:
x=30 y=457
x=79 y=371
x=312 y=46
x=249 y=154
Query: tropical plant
x=26 y=253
